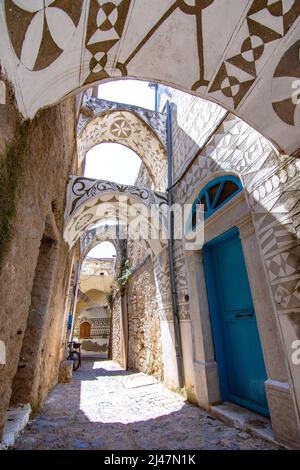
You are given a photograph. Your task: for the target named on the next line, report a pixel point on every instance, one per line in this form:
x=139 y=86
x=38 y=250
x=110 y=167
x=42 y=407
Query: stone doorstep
x=245 y=420
x=15 y=421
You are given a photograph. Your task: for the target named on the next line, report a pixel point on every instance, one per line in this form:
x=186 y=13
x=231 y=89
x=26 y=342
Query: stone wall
x=144 y=345
x=115 y=329
x=36 y=158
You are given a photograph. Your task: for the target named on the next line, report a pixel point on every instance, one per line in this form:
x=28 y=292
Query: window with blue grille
x=215 y=194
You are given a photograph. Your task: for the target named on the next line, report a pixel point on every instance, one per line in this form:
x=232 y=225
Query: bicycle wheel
x=76 y=360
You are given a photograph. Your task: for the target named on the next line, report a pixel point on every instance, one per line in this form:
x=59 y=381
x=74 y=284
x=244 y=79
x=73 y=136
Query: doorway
x=235 y=332
x=85 y=330
x=26 y=383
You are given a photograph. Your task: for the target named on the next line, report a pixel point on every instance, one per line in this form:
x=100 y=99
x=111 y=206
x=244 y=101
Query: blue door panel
x=235 y=331
x=230 y=270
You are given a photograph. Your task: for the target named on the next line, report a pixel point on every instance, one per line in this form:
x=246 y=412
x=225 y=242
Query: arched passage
x=142 y=131
x=139 y=211
x=231 y=87
x=95 y=236
x=258 y=45
x=92 y=322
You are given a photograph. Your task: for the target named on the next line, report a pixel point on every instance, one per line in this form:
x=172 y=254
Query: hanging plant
x=110 y=299
x=123 y=275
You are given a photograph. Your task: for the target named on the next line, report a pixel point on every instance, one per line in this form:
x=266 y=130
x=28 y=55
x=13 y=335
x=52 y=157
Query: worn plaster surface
x=40 y=193
x=108 y=408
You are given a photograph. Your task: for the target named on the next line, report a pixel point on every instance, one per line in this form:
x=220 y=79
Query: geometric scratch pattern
x=102 y=121
x=94 y=236
x=52 y=48
x=92 y=201
x=287 y=75
x=92 y=107
x=272 y=185
x=266 y=22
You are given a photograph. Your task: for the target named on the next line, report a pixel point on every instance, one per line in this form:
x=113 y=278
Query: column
x=206 y=369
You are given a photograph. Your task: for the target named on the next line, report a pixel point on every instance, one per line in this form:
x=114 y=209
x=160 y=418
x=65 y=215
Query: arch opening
x=102 y=250
x=142 y=131
x=112 y=162
x=92 y=323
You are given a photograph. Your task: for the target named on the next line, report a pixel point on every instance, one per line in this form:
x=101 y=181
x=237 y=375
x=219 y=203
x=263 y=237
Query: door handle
x=241 y=315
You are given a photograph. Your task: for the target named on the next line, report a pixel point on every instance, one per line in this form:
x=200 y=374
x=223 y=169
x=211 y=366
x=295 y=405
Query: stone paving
x=105 y=407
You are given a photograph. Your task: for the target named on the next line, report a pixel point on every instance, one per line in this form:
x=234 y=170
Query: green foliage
x=110 y=299
x=11 y=169
x=123 y=275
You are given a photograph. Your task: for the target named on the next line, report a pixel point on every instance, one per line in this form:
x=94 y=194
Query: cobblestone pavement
x=108 y=408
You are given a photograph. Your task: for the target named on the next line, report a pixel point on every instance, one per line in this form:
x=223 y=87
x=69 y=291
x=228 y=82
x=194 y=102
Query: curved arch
x=139 y=211
x=129 y=129
x=256 y=46
x=95 y=236
x=206 y=179
x=197 y=191
x=103 y=250
x=215 y=194
x=92 y=107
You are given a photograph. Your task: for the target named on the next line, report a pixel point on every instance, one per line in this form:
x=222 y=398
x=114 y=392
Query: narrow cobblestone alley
x=105 y=407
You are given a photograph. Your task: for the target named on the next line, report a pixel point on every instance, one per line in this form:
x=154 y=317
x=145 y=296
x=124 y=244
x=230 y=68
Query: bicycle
x=73 y=355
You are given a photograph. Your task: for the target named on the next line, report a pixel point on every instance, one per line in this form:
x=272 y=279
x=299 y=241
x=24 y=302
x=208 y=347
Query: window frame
x=211 y=209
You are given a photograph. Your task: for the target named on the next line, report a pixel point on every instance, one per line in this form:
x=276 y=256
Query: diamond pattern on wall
x=266 y=22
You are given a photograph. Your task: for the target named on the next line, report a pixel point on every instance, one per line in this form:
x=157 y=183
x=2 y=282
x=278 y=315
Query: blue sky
x=115 y=162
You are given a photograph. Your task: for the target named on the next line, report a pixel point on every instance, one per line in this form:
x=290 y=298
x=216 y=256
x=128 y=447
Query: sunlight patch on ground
x=117 y=396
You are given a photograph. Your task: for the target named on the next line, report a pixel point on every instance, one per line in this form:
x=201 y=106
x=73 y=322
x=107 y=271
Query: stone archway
x=92 y=201
x=141 y=130
x=170 y=42
x=95 y=236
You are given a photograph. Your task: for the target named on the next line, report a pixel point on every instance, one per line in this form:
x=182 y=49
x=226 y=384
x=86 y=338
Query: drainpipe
x=74 y=299
x=175 y=311
x=156 y=97
x=154 y=86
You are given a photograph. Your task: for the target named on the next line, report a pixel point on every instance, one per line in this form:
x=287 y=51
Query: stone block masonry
x=32 y=190
x=144 y=344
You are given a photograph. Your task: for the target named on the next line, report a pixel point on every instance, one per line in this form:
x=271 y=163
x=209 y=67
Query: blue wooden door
x=236 y=339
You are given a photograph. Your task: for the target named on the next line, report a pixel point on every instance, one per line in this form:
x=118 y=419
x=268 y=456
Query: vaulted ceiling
x=242 y=54
x=140 y=210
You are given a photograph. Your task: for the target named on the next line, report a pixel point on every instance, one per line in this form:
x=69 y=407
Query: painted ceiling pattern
x=92 y=201
x=196 y=121
x=129 y=129
x=92 y=107
x=64 y=45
